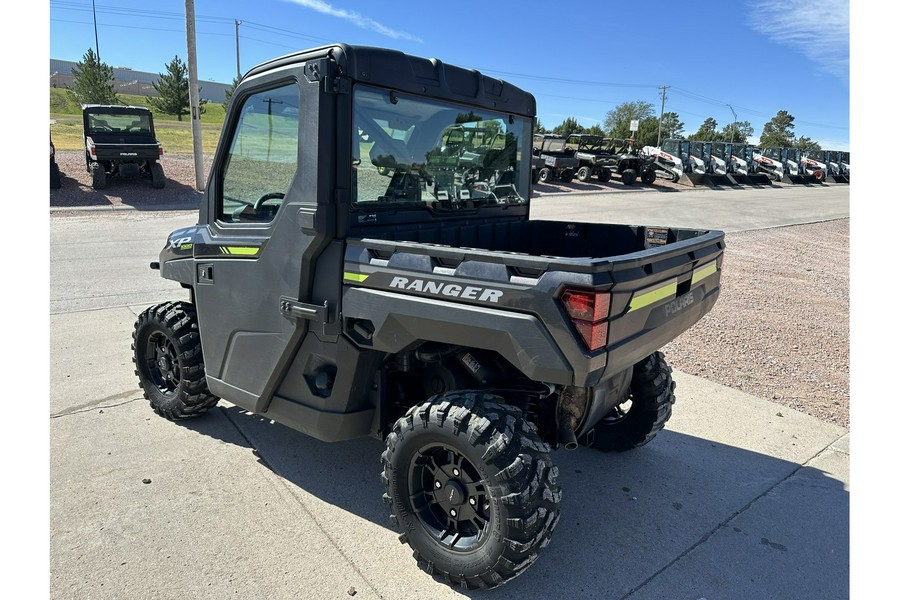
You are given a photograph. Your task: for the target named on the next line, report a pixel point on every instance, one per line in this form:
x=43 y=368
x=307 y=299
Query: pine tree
x=172 y=88
x=93 y=81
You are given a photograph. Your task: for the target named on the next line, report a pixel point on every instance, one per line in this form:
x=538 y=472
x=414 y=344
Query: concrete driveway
x=737 y=498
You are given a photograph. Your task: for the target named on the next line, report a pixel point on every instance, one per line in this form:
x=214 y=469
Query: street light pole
x=237 y=46
x=96 y=37
x=734 y=125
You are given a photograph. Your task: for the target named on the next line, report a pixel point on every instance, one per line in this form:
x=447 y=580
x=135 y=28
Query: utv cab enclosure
x=364 y=264
x=120 y=141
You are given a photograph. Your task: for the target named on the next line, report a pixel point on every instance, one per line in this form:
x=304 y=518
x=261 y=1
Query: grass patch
x=174 y=135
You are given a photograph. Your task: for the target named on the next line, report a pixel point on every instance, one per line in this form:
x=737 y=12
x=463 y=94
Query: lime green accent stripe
x=357 y=277
x=703 y=272
x=653 y=296
x=241 y=250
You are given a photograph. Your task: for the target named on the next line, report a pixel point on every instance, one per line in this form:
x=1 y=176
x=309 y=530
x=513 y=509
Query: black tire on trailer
x=648 y=176
x=604 y=174
x=584 y=173
x=55 y=178
x=643 y=413
x=157 y=176
x=544 y=175
x=98 y=176
x=628 y=176
x=168 y=361
x=471 y=487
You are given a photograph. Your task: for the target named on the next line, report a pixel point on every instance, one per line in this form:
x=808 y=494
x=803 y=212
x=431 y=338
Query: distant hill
x=61 y=104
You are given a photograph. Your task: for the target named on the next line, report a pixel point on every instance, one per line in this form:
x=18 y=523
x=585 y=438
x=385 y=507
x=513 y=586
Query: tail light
x=160 y=151
x=588 y=311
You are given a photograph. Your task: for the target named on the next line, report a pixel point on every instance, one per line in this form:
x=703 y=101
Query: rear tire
x=643 y=413
x=628 y=176
x=157 y=177
x=648 y=176
x=604 y=174
x=168 y=361
x=544 y=175
x=567 y=175
x=472 y=488
x=98 y=176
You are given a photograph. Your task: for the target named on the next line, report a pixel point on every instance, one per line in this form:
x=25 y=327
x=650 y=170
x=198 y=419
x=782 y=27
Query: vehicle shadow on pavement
x=119 y=193
x=561 y=187
x=681 y=517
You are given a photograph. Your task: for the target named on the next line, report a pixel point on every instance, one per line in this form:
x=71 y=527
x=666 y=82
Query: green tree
x=229 y=92
x=742 y=131
x=618 y=120
x=806 y=144
x=594 y=129
x=93 y=81
x=538 y=126
x=672 y=126
x=648 y=131
x=172 y=87
x=568 y=127
x=778 y=132
x=708 y=131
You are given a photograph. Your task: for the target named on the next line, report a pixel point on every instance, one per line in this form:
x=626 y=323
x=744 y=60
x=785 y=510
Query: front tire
x=168 y=361
x=471 y=487
x=584 y=173
x=628 y=176
x=642 y=414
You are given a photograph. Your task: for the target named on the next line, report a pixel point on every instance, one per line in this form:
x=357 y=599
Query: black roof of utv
x=412 y=74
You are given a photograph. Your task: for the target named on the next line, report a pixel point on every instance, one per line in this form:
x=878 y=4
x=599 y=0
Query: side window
x=262 y=157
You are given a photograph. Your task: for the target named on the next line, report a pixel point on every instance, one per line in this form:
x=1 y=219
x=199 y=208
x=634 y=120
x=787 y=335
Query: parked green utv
x=364 y=263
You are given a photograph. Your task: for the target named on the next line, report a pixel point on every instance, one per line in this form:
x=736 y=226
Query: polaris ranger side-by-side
x=364 y=264
x=120 y=141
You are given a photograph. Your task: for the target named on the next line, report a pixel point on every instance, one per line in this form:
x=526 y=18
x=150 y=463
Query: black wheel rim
x=162 y=365
x=449 y=498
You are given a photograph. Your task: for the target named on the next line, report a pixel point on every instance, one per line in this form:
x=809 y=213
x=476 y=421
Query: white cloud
x=355 y=18
x=818 y=30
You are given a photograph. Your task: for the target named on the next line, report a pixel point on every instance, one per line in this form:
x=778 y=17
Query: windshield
x=671 y=146
x=119 y=123
x=413 y=152
x=773 y=153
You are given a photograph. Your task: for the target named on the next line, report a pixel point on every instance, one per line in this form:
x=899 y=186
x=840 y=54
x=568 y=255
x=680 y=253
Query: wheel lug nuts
x=437 y=485
x=472 y=501
x=456 y=472
x=452 y=513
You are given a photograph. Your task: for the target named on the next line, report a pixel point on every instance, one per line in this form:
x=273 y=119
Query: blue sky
x=758 y=57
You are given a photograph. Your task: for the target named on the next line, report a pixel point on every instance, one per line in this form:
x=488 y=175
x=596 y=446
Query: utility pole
x=237 y=46
x=734 y=124
x=194 y=92
x=662 y=111
x=96 y=37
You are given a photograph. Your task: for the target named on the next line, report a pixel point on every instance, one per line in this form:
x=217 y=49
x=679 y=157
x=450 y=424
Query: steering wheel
x=266 y=197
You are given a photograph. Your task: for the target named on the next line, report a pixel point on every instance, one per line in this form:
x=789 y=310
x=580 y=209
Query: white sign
x=634 y=124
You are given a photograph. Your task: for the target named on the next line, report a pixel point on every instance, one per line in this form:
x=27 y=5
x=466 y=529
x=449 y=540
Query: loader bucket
x=759 y=179
x=716 y=180
x=837 y=179
x=693 y=179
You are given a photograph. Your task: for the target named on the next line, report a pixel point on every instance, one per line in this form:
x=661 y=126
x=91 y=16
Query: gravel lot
x=779 y=331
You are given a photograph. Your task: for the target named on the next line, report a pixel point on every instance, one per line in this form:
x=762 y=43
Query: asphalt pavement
x=738 y=498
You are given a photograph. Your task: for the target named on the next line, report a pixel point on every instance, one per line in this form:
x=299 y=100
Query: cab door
x=253 y=271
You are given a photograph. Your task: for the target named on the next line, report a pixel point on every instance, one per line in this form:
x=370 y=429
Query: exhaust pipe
x=569 y=411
